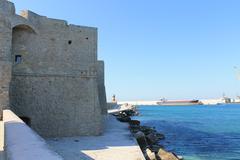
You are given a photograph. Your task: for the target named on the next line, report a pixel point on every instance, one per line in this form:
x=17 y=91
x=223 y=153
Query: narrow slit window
x=18 y=59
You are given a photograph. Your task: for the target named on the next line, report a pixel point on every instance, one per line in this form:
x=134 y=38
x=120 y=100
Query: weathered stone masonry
x=50 y=75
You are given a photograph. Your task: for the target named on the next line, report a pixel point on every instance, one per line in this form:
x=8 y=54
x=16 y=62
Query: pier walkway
x=115 y=144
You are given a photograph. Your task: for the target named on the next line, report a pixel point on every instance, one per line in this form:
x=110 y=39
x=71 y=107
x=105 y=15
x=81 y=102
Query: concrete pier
x=115 y=144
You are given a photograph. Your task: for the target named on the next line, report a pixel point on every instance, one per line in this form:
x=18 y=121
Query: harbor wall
x=138 y=102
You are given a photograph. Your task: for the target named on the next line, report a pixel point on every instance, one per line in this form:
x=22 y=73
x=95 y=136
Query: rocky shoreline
x=147 y=137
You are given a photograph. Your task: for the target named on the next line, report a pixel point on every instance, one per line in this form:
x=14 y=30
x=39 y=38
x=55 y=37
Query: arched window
x=20 y=37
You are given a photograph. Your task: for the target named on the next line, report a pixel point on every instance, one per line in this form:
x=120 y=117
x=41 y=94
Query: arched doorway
x=22 y=37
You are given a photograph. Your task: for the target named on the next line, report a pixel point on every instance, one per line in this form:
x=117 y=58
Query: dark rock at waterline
x=134 y=123
x=141 y=139
x=134 y=129
x=155 y=148
x=152 y=138
x=123 y=119
x=147 y=130
x=160 y=136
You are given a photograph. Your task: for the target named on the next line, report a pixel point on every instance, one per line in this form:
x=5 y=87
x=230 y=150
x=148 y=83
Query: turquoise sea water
x=197 y=132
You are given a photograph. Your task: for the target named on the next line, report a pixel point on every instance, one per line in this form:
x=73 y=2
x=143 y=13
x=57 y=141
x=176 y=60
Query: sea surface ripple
x=197 y=132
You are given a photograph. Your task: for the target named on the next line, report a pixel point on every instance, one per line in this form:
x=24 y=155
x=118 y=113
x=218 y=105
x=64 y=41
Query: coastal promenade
x=115 y=144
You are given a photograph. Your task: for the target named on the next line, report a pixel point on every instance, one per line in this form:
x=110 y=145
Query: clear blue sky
x=159 y=48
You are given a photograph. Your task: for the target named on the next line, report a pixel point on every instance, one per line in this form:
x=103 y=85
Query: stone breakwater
x=147 y=137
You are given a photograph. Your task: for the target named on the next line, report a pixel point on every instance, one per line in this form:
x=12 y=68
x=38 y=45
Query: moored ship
x=164 y=102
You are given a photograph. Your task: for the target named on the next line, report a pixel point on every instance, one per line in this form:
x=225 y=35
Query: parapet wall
x=22 y=143
x=56 y=80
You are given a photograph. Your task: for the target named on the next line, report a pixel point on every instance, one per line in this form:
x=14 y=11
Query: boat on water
x=164 y=102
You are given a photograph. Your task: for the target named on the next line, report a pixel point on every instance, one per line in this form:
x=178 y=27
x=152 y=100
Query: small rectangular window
x=18 y=59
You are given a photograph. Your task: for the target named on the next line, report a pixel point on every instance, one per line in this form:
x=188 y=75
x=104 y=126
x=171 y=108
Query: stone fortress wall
x=50 y=75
